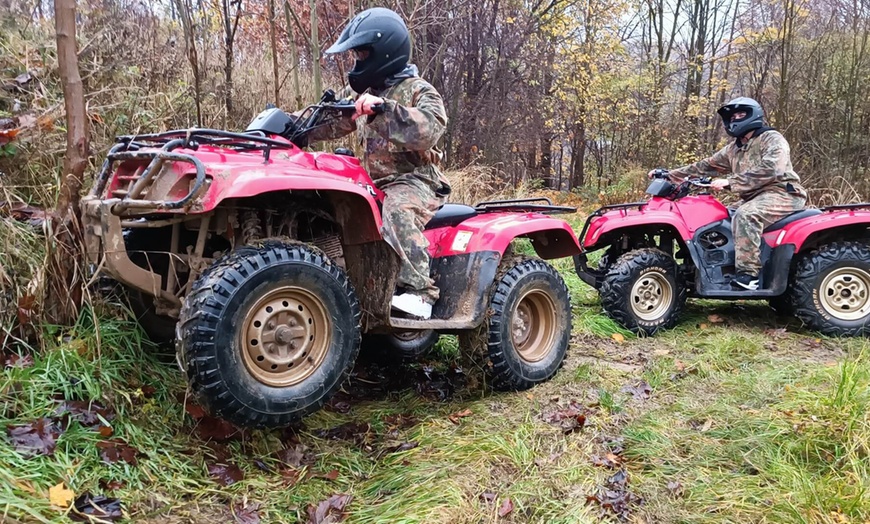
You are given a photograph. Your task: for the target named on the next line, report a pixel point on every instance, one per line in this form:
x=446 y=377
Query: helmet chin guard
x=753 y=120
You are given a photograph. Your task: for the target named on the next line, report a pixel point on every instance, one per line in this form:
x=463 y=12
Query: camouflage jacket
x=403 y=138
x=761 y=164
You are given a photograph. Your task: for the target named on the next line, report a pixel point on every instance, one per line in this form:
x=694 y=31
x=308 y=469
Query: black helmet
x=384 y=35
x=754 y=118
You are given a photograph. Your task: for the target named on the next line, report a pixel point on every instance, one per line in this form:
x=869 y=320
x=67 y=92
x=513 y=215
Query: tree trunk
x=192 y=57
x=273 y=41
x=65 y=288
x=294 y=56
x=315 y=50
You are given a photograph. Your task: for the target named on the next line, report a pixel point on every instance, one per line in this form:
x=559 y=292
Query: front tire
x=269 y=333
x=527 y=333
x=832 y=289
x=642 y=291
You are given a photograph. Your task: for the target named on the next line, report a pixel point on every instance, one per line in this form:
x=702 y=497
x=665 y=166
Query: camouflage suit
x=760 y=172
x=401 y=157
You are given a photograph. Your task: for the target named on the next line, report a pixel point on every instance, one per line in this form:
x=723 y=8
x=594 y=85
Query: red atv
x=266 y=263
x=816 y=262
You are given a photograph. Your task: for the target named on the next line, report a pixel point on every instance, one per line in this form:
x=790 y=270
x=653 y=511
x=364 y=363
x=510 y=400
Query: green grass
x=754 y=428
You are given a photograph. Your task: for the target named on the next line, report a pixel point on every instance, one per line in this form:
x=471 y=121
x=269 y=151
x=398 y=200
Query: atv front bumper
x=104 y=242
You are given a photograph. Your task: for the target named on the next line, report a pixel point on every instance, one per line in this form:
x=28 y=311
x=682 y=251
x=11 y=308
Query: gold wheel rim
x=651 y=296
x=285 y=336
x=533 y=326
x=845 y=293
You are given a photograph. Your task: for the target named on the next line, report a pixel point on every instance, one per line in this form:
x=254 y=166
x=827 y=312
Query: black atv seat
x=450 y=215
x=781 y=223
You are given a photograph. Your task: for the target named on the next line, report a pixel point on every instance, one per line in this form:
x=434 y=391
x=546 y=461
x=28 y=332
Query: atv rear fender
x=810 y=232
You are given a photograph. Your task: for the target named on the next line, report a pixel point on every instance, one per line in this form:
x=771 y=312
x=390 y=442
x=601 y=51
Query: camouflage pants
x=750 y=220
x=409 y=204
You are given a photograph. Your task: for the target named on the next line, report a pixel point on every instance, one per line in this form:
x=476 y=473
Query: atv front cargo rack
x=129 y=148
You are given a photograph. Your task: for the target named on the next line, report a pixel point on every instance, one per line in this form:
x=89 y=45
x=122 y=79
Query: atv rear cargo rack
x=843 y=207
x=523 y=204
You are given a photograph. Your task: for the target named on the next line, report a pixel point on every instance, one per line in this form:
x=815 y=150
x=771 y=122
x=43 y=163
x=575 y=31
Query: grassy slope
x=746 y=425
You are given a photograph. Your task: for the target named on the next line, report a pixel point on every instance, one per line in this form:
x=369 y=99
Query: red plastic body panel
x=685 y=215
x=798 y=232
x=551 y=237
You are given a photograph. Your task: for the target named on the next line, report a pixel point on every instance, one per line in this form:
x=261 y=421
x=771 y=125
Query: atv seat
x=450 y=215
x=781 y=223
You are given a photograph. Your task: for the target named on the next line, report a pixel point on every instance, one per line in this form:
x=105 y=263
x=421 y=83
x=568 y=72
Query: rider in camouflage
x=759 y=170
x=399 y=143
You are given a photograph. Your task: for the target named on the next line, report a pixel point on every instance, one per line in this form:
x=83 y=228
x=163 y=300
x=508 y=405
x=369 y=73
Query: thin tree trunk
x=315 y=50
x=190 y=48
x=273 y=41
x=294 y=55
x=65 y=288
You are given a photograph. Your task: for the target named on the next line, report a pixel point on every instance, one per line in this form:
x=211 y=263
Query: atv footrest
x=758 y=294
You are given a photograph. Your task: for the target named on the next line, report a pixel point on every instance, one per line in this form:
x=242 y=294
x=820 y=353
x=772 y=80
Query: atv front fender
x=493 y=232
x=614 y=223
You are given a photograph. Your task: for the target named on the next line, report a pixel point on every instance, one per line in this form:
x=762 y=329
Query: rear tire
x=527 y=333
x=643 y=292
x=269 y=333
x=831 y=289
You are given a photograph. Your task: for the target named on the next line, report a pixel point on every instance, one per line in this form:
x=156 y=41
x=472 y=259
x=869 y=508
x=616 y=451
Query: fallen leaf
x=400 y=421
x=329 y=511
x=776 y=333
x=112 y=485
x=293 y=457
x=88 y=414
x=398 y=448
x=311 y=474
x=506 y=507
x=217 y=429
x=570 y=419
x=14 y=360
x=23 y=78
x=619 y=337
x=106 y=431
x=35 y=438
x=225 y=474
x=111 y=451
x=194 y=410
x=640 y=391
x=661 y=352
x=246 y=514
x=707 y=425
x=25 y=309
x=60 y=496
x=88 y=508
x=609 y=460
x=614 y=496
x=675 y=488
x=148 y=391
x=488 y=497
x=716 y=319
x=262 y=466
x=357 y=432
x=459 y=415
x=290 y=476
x=679 y=365
x=703 y=326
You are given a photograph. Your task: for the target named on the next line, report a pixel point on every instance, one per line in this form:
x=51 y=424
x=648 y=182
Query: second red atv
x=266 y=262
x=658 y=252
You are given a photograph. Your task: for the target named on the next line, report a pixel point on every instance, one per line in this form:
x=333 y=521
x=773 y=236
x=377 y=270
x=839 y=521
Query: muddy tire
x=269 y=333
x=782 y=305
x=527 y=332
x=400 y=347
x=643 y=292
x=831 y=289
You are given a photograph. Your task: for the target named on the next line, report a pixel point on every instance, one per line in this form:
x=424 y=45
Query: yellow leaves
x=619 y=337
x=60 y=495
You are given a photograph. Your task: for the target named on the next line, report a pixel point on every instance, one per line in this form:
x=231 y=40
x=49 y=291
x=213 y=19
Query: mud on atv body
x=268 y=262
x=658 y=252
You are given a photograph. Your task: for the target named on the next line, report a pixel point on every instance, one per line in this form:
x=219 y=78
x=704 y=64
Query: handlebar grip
x=378 y=109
